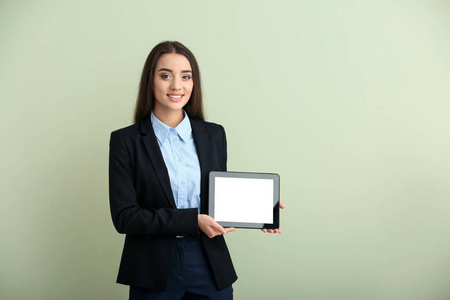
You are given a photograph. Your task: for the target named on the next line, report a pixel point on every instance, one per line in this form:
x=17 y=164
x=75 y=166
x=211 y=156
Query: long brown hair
x=146 y=97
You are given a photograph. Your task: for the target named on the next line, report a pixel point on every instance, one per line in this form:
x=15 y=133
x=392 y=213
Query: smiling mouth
x=175 y=97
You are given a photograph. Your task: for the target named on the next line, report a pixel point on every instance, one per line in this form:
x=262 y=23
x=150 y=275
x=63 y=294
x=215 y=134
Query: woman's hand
x=210 y=227
x=278 y=230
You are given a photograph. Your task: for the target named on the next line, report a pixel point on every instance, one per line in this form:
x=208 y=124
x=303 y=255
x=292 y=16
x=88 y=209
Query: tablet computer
x=245 y=200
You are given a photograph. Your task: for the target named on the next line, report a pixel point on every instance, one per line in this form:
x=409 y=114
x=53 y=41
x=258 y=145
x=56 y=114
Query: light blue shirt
x=180 y=156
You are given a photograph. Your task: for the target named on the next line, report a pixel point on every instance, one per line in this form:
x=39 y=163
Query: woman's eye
x=187 y=77
x=165 y=76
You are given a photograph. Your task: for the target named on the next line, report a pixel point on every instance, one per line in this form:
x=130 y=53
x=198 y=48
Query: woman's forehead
x=173 y=62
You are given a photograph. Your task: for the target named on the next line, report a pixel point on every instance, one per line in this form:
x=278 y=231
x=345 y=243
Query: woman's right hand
x=210 y=227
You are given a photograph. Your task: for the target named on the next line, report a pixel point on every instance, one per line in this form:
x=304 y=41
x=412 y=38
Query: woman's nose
x=175 y=84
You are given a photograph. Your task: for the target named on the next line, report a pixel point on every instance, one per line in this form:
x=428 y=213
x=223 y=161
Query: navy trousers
x=190 y=277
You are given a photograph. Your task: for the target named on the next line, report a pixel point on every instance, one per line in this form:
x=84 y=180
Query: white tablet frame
x=244 y=199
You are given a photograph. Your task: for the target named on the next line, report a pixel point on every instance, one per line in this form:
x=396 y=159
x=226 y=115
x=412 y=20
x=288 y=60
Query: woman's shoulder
x=129 y=133
x=208 y=126
x=131 y=129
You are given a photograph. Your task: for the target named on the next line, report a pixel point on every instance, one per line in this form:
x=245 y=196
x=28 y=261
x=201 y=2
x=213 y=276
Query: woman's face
x=172 y=83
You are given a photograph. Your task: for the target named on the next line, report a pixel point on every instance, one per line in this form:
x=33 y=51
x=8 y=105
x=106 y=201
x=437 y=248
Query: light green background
x=348 y=101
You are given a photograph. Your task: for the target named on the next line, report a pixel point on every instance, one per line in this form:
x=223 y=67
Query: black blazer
x=143 y=207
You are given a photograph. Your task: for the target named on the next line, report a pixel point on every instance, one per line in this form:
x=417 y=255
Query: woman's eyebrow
x=169 y=70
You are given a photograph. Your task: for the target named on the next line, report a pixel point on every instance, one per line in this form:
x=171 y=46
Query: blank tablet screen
x=248 y=200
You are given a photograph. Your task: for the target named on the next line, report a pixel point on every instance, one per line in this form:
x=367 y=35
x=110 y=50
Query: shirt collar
x=161 y=130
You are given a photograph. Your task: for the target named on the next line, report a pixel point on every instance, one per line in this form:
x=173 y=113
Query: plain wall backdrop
x=347 y=100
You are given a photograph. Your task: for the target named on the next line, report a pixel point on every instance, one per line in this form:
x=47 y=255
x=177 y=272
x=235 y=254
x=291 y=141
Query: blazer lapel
x=202 y=144
x=154 y=152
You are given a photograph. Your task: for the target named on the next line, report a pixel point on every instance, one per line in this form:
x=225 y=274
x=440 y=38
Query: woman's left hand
x=278 y=230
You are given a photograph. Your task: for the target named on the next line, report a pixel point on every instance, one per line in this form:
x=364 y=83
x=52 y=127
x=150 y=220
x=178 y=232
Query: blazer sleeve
x=127 y=215
x=224 y=163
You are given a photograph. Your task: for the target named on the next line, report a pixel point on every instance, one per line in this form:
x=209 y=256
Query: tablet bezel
x=276 y=198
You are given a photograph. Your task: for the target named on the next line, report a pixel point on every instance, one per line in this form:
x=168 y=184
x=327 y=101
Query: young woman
x=158 y=181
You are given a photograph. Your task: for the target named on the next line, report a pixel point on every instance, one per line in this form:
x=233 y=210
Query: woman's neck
x=170 y=118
